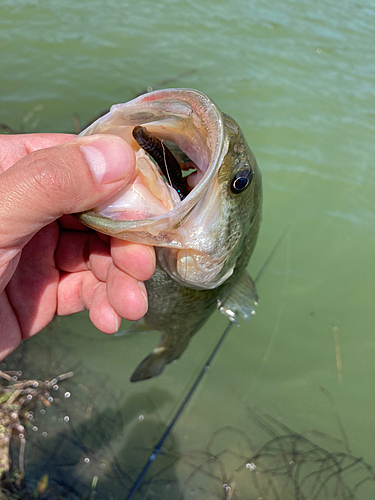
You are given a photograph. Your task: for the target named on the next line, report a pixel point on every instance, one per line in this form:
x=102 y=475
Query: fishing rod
x=157 y=449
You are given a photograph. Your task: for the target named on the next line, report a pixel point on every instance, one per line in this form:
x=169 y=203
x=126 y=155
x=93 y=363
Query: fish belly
x=178 y=313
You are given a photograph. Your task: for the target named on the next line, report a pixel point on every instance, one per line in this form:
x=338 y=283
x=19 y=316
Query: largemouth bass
x=204 y=225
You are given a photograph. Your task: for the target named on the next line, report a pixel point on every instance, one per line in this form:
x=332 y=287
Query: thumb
x=63 y=179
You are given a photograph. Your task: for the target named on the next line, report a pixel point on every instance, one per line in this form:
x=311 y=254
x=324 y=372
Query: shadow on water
x=87 y=434
x=87 y=442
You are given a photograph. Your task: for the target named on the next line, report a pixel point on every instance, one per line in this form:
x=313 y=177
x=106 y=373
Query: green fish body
x=204 y=242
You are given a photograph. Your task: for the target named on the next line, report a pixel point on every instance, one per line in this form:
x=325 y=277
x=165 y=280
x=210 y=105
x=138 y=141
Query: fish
x=196 y=196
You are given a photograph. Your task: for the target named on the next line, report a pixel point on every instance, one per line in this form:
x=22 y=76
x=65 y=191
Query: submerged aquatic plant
x=18 y=398
x=289 y=466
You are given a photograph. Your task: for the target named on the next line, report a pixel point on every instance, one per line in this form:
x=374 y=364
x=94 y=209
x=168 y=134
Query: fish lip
x=211 y=118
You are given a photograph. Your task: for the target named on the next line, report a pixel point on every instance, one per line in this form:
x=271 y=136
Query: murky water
x=299 y=77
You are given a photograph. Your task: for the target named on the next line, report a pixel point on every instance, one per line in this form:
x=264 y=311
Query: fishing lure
x=163 y=157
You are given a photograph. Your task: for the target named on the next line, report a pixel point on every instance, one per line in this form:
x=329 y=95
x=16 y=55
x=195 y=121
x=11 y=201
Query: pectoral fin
x=242 y=300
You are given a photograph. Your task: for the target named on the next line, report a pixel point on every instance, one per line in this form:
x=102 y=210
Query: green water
x=299 y=77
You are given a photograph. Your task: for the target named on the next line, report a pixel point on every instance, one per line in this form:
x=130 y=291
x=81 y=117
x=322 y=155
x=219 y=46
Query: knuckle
x=54 y=179
x=49 y=176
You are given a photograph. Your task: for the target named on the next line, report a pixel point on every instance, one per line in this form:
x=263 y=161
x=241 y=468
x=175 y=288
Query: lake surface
x=299 y=78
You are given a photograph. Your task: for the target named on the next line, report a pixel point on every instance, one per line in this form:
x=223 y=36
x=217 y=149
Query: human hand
x=50 y=263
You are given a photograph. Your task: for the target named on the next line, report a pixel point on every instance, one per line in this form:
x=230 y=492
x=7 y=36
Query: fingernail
x=110 y=159
x=117 y=321
x=143 y=291
x=152 y=253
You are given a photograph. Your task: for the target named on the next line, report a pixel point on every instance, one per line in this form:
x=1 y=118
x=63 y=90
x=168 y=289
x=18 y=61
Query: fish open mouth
x=173 y=200
x=161 y=180
x=176 y=137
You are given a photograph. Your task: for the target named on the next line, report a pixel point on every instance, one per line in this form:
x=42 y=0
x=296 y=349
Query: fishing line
x=157 y=450
x=166 y=165
x=170 y=183
x=271 y=255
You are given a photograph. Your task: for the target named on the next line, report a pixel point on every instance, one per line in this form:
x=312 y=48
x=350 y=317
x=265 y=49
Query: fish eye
x=241 y=181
